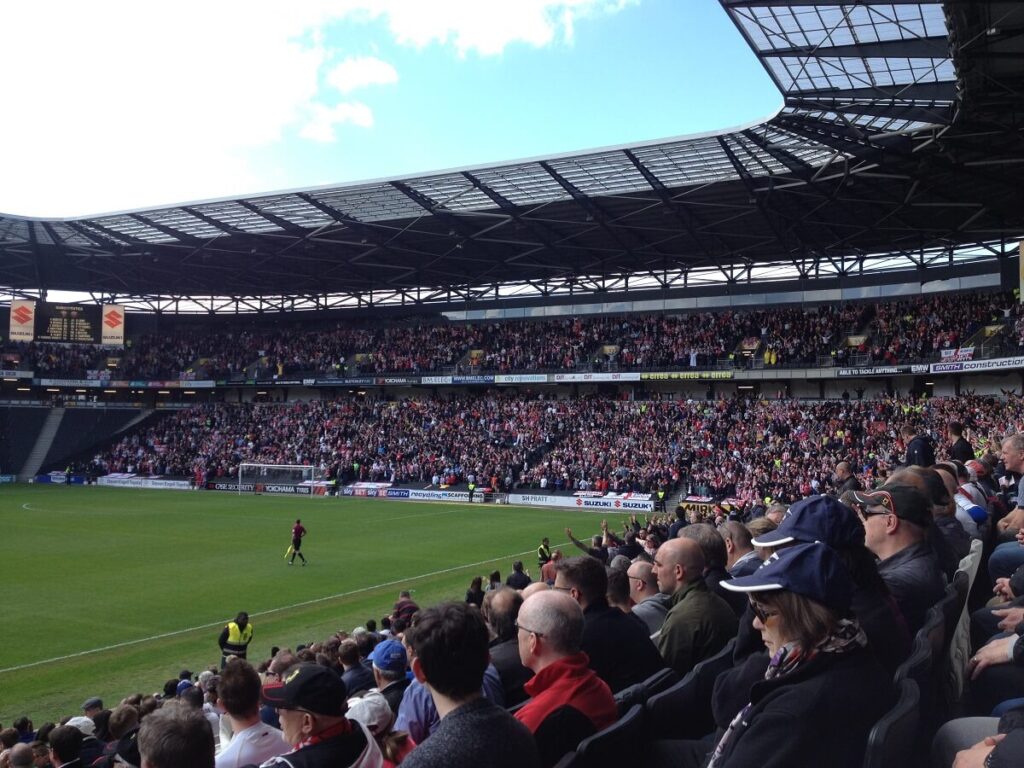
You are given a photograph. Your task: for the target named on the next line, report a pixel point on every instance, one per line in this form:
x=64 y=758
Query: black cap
x=310 y=687
x=905 y=502
x=93 y=703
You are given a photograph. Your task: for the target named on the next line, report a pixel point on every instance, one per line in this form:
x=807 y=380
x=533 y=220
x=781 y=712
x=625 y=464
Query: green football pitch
x=107 y=592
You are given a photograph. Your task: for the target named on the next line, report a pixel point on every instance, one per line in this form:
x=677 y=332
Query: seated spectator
x=176 y=736
x=715 y=560
x=91 y=747
x=449 y=658
x=20 y=756
x=253 y=741
x=568 y=702
x=357 y=677
x=373 y=711
x=389 y=667
x=502 y=612
x=618 y=645
x=649 y=604
x=404 y=607
x=311 y=702
x=822 y=692
x=699 y=623
x=741 y=559
x=896 y=520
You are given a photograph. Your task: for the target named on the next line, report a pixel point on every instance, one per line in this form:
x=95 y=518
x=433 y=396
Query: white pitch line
x=304 y=603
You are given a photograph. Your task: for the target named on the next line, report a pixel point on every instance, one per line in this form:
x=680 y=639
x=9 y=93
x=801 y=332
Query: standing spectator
x=235 y=638
x=238 y=694
x=919 y=447
x=404 y=607
x=475 y=593
x=959 y=449
x=450 y=656
x=547 y=571
x=846 y=480
x=518 y=579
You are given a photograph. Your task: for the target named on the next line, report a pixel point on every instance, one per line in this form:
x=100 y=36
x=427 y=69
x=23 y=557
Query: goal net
x=295 y=479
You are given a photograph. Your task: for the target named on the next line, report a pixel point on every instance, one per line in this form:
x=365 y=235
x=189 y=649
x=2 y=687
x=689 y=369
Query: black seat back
x=892 y=742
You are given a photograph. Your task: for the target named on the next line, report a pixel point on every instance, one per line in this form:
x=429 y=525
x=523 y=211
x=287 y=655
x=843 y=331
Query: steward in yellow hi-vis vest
x=235 y=638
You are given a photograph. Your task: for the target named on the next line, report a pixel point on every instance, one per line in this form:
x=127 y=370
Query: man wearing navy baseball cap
x=311 y=702
x=389 y=671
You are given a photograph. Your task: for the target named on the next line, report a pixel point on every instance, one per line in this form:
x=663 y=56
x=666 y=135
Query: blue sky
x=120 y=106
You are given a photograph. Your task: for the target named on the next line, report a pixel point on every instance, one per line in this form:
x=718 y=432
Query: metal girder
x=911 y=48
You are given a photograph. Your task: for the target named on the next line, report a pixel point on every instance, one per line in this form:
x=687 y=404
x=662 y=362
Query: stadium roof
x=897 y=147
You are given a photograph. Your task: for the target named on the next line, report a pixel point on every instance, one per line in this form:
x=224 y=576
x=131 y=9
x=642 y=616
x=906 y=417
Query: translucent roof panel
x=527 y=184
x=454 y=192
x=610 y=173
x=371 y=202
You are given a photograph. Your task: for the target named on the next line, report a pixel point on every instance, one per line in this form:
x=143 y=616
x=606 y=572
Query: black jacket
x=835 y=698
x=920 y=452
x=961 y=450
x=619 y=646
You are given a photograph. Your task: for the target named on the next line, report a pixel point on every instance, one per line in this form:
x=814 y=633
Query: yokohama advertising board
x=293 y=490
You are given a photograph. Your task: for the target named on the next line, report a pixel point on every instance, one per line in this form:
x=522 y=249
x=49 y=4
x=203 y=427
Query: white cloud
x=487 y=28
x=323 y=119
x=124 y=104
x=361 y=71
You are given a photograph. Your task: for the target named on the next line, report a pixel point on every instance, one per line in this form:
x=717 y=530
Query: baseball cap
x=94 y=701
x=389 y=656
x=812 y=570
x=903 y=501
x=183 y=686
x=84 y=724
x=310 y=687
x=816 y=518
x=373 y=711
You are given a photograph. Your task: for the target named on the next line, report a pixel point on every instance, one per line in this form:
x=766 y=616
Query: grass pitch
x=109 y=591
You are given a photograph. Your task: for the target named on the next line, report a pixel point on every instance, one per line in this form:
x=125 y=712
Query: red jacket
x=568 y=681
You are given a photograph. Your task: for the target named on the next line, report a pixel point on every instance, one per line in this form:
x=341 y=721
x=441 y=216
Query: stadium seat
x=640 y=692
x=683 y=711
x=571 y=760
x=616 y=745
x=892 y=742
x=960 y=643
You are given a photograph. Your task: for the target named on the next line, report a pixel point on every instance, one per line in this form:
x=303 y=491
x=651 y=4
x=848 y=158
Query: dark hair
x=517 y=565
x=242 y=619
x=239 y=688
x=193 y=696
x=66 y=742
x=371 y=625
x=123 y=719
x=618 y=587
x=477 y=583
x=176 y=737
x=101 y=720
x=956 y=428
x=711 y=544
x=450 y=641
x=586 y=574
x=366 y=643
x=805 y=621
x=348 y=652
x=9 y=737
x=495 y=576
x=147 y=706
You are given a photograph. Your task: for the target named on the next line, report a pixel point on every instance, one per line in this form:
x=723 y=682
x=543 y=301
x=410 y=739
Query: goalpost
x=297 y=479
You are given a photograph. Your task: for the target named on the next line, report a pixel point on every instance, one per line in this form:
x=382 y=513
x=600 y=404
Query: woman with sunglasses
x=823 y=690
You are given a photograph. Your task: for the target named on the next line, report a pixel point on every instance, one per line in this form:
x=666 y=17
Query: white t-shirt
x=254 y=745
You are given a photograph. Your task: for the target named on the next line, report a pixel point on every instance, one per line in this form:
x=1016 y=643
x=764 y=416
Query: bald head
x=677 y=563
x=843 y=470
x=505 y=606
x=642 y=583
x=534 y=587
x=550 y=628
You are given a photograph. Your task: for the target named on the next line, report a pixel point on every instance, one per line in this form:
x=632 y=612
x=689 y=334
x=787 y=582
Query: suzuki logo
x=22 y=315
x=112 y=319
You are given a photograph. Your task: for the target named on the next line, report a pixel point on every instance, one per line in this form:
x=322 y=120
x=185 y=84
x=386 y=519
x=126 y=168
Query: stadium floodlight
x=297 y=479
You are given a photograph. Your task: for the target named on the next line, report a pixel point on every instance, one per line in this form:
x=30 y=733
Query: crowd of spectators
x=742 y=448
x=906 y=331
x=810 y=623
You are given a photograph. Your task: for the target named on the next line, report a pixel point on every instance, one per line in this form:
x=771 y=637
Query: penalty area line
x=269 y=612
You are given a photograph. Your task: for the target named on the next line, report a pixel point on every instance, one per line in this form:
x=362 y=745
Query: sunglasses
x=761 y=613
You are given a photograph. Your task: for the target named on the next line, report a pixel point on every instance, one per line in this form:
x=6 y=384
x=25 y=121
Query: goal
x=293 y=479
